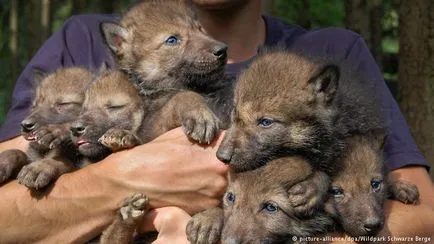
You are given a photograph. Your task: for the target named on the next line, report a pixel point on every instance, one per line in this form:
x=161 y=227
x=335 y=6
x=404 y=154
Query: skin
x=65 y=213
x=81 y=204
x=225 y=20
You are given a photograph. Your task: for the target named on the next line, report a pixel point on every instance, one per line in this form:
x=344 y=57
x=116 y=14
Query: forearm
x=15 y=143
x=76 y=208
x=170 y=171
x=408 y=220
x=411 y=220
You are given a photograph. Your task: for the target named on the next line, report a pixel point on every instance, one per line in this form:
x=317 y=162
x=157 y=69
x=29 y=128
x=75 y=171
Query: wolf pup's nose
x=220 y=51
x=373 y=225
x=78 y=128
x=224 y=154
x=28 y=124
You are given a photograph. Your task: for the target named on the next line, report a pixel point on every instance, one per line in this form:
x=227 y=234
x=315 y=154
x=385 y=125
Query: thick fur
x=115 y=116
x=193 y=62
x=359 y=190
x=112 y=108
x=288 y=103
x=57 y=102
x=259 y=207
x=354 y=202
x=124 y=227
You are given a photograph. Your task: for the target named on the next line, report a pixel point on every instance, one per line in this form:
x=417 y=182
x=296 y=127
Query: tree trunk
x=34 y=30
x=107 y=6
x=46 y=19
x=78 y=6
x=357 y=17
x=416 y=71
x=13 y=40
x=268 y=7
x=376 y=30
x=304 y=18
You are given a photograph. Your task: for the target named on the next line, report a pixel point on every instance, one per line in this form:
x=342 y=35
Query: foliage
x=318 y=12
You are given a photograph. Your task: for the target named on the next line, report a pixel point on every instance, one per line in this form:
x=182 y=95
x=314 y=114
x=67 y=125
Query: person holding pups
x=201 y=180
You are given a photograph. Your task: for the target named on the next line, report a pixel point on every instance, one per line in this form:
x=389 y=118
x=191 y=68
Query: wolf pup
x=287 y=103
x=115 y=116
x=258 y=207
x=161 y=46
x=359 y=190
x=113 y=109
x=57 y=102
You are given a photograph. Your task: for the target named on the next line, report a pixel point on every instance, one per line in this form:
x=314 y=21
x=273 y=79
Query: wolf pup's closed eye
x=58 y=100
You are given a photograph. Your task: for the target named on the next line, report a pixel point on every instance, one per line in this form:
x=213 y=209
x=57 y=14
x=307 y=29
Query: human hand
x=169 y=222
x=171 y=170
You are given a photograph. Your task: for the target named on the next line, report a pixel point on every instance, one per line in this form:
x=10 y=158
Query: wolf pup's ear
x=38 y=76
x=379 y=136
x=114 y=35
x=325 y=83
x=103 y=68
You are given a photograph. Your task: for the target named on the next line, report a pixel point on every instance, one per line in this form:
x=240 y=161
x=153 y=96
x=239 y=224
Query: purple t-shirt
x=79 y=43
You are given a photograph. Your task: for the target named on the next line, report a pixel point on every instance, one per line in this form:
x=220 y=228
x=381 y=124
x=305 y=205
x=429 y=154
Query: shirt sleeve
x=400 y=149
x=77 y=43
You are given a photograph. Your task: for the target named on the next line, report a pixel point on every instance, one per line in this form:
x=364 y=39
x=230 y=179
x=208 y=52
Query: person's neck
x=242 y=28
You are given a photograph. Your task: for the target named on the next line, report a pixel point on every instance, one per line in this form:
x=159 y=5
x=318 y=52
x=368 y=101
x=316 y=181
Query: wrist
x=108 y=186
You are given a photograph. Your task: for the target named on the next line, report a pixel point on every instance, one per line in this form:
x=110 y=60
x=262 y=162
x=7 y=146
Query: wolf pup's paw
x=200 y=124
x=10 y=162
x=306 y=196
x=205 y=227
x=38 y=175
x=118 y=139
x=52 y=136
x=134 y=207
x=404 y=191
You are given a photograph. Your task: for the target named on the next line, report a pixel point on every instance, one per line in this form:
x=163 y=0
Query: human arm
x=420 y=215
x=170 y=170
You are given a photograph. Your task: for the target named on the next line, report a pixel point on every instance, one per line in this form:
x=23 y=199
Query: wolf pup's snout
x=28 y=124
x=373 y=224
x=220 y=51
x=224 y=154
x=78 y=128
x=226 y=150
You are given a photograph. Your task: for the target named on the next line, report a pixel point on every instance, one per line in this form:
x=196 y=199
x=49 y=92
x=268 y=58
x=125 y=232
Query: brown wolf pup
x=57 y=102
x=359 y=190
x=161 y=46
x=116 y=116
x=112 y=107
x=288 y=103
x=113 y=112
x=258 y=207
